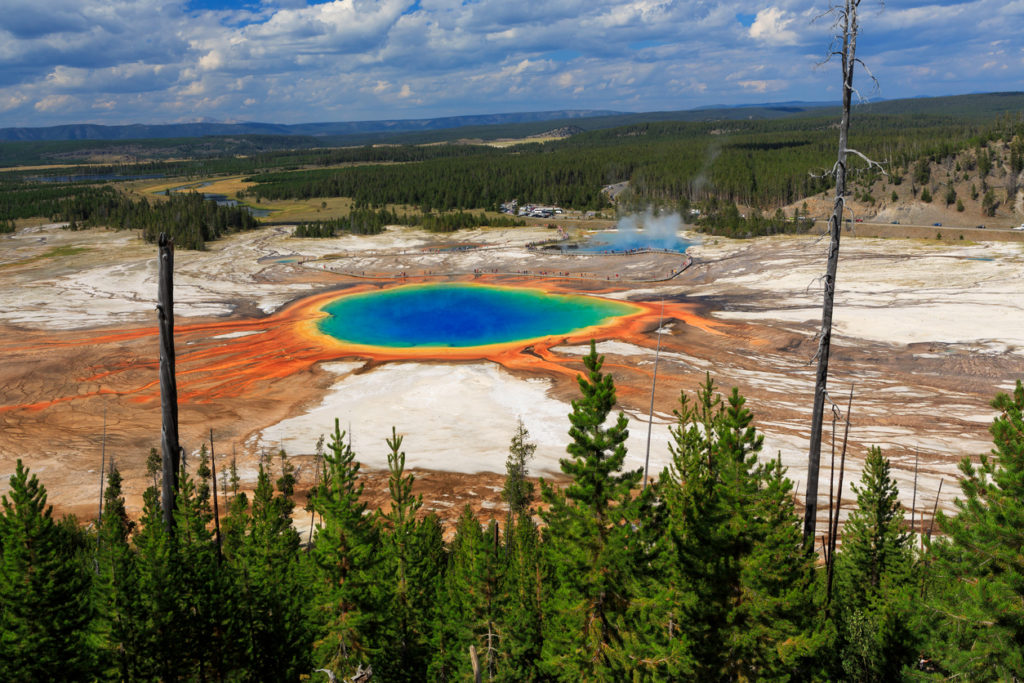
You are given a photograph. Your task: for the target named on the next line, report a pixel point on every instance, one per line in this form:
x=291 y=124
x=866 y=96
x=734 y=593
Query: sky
x=300 y=61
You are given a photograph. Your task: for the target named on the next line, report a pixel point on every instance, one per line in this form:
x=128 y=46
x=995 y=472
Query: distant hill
x=982 y=105
x=796 y=105
x=85 y=131
x=95 y=143
x=520 y=123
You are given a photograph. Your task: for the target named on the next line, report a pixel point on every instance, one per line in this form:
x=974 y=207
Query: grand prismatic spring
x=455 y=321
x=462 y=315
x=259 y=365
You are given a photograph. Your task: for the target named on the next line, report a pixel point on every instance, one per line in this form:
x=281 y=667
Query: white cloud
x=212 y=60
x=194 y=88
x=286 y=60
x=53 y=102
x=756 y=86
x=12 y=101
x=773 y=27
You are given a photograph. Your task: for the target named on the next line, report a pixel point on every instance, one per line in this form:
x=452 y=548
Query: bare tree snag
x=654 y=384
x=99 y=516
x=474 y=661
x=935 y=510
x=168 y=384
x=913 y=500
x=216 y=509
x=844 y=46
x=831 y=483
x=103 y=470
x=834 y=530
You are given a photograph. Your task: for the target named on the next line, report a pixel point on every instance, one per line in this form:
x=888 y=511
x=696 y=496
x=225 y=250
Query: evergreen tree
x=235 y=524
x=740 y=587
x=874 y=580
x=588 y=548
x=118 y=589
x=469 y=607
x=412 y=562
x=977 y=581
x=205 y=644
x=523 y=638
x=345 y=550
x=153 y=465
x=158 y=640
x=518 y=490
x=45 y=610
x=453 y=632
x=273 y=586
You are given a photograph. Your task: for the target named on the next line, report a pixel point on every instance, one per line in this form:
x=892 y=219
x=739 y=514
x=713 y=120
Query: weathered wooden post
x=168 y=384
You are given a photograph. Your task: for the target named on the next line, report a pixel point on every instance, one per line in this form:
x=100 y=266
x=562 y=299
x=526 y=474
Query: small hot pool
x=625 y=242
x=462 y=315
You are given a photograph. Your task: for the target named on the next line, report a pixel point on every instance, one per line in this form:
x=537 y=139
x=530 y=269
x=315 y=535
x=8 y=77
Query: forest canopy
x=701 y=575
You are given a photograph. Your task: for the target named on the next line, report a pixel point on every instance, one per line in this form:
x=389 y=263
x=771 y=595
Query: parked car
x=1019 y=227
x=937 y=225
x=980 y=227
x=895 y=222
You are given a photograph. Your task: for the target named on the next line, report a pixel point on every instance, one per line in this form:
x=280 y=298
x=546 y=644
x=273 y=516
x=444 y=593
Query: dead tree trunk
x=474 y=662
x=168 y=384
x=913 y=500
x=216 y=508
x=846 y=23
x=833 y=531
x=103 y=470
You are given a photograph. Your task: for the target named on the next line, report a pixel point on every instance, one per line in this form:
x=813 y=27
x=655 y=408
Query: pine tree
x=874 y=580
x=411 y=565
x=118 y=587
x=518 y=490
x=588 y=547
x=157 y=649
x=874 y=542
x=153 y=464
x=273 y=589
x=523 y=637
x=469 y=607
x=977 y=581
x=346 y=550
x=202 y=587
x=740 y=586
x=45 y=609
x=781 y=638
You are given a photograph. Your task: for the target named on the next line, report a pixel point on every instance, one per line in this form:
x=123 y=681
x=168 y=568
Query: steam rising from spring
x=644 y=231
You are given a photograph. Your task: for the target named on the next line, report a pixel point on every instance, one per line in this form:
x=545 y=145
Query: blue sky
x=292 y=61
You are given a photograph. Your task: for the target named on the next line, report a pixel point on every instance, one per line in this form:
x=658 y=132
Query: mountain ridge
x=514 y=124
x=137 y=131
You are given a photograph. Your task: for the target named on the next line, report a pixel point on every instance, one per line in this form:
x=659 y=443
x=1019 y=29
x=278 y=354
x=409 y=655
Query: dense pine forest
x=702 y=575
x=760 y=164
x=188 y=217
x=756 y=163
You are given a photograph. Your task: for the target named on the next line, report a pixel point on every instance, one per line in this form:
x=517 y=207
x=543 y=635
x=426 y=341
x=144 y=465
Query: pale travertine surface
x=927 y=331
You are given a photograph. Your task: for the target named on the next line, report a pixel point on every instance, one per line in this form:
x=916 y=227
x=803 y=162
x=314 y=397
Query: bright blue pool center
x=461 y=315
